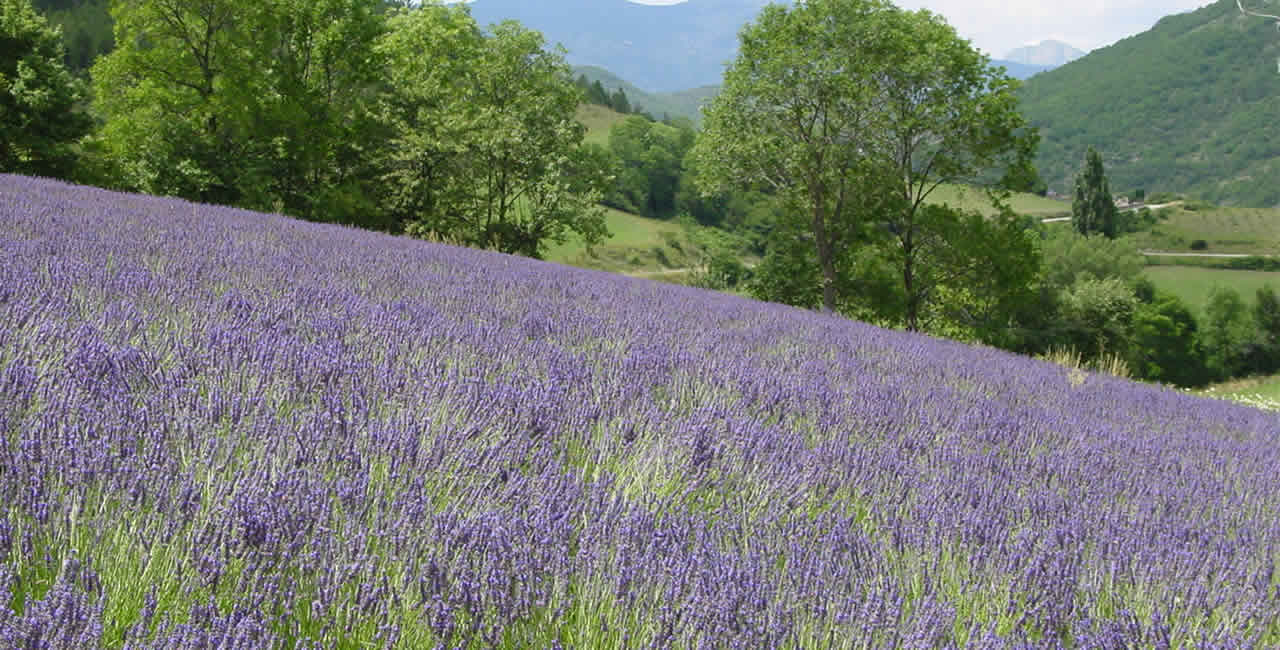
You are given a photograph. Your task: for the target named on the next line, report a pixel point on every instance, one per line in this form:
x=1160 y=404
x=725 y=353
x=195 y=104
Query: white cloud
x=997 y=26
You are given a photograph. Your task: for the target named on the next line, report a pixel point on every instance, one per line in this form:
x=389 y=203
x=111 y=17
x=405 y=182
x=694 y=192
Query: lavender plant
x=222 y=429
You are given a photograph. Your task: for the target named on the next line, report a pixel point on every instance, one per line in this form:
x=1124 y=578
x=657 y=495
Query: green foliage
x=190 y=110
x=651 y=157
x=1188 y=106
x=827 y=108
x=1096 y=316
x=1265 y=354
x=983 y=272
x=487 y=149
x=1165 y=346
x=1070 y=257
x=1093 y=211
x=39 y=120
x=86 y=29
x=1225 y=334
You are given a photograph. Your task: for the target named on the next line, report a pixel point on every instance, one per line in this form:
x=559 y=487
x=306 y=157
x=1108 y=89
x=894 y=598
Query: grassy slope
x=971 y=199
x=637 y=244
x=1192 y=284
x=684 y=103
x=1253 y=231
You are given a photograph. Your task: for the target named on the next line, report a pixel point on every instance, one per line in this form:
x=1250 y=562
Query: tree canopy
x=39 y=119
x=853 y=112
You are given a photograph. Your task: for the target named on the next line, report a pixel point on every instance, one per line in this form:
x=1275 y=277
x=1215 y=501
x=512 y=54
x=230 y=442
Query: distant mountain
x=1050 y=54
x=658 y=48
x=684 y=103
x=1192 y=105
x=1021 y=70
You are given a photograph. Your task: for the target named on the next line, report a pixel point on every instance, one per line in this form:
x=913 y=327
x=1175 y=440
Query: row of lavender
x=229 y=430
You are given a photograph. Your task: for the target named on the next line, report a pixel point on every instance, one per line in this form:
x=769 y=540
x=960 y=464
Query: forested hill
x=1192 y=105
x=685 y=103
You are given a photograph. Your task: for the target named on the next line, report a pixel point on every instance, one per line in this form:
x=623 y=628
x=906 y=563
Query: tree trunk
x=825 y=255
x=912 y=314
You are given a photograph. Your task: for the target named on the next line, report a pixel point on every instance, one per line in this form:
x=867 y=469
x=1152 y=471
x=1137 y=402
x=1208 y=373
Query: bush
x=1199 y=245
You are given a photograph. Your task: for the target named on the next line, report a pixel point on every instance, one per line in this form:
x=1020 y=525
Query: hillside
x=1189 y=106
x=230 y=429
x=658 y=48
x=684 y=103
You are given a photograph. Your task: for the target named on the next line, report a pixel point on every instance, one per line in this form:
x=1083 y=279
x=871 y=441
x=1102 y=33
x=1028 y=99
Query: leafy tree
x=1070 y=256
x=487 y=149
x=619 y=101
x=258 y=104
x=792 y=119
x=1096 y=316
x=1225 y=334
x=854 y=111
x=1264 y=355
x=429 y=52
x=1164 y=344
x=651 y=155
x=1092 y=209
x=39 y=121
x=976 y=295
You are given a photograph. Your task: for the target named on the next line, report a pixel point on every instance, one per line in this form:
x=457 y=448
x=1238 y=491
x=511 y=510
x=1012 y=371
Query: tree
x=651 y=155
x=1069 y=256
x=1225 y=333
x=1264 y=353
x=429 y=52
x=486 y=149
x=1093 y=210
x=257 y=104
x=1164 y=344
x=39 y=121
x=1096 y=316
x=854 y=111
x=619 y=101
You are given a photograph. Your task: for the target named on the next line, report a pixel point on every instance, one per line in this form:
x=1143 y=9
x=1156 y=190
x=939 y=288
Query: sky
x=997 y=26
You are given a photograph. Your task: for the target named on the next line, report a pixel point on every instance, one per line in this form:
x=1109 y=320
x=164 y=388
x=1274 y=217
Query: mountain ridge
x=1047 y=53
x=1187 y=106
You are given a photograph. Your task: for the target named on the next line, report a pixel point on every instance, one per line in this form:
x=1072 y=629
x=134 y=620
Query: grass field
x=637 y=245
x=1254 y=231
x=1193 y=284
x=1261 y=392
x=598 y=121
x=971 y=199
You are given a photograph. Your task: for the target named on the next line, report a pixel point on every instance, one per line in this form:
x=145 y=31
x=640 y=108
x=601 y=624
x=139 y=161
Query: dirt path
x=1227 y=255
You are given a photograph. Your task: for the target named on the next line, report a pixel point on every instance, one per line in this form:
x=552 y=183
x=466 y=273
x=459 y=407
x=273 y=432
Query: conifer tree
x=1092 y=209
x=39 y=121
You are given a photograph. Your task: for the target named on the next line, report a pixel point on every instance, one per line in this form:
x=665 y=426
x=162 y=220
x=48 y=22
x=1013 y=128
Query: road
x=1229 y=255
x=1157 y=206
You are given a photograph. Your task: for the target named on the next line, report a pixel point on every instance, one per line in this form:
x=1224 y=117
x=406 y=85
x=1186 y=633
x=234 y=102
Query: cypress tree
x=1093 y=210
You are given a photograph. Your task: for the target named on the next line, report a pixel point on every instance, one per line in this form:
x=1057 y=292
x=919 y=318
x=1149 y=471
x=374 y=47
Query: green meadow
x=1193 y=284
x=1251 y=231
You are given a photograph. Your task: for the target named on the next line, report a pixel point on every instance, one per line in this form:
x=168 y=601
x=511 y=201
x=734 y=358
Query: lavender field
x=230 y=430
